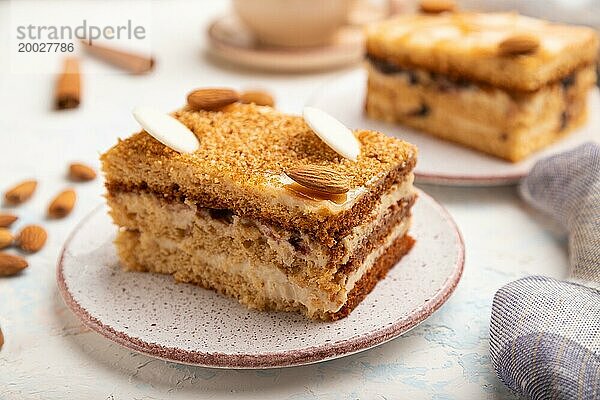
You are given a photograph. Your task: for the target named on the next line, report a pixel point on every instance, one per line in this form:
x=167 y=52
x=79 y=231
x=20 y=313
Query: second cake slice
x=502 y=83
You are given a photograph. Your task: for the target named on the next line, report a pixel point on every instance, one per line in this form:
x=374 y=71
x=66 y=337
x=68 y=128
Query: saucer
x=230 y=41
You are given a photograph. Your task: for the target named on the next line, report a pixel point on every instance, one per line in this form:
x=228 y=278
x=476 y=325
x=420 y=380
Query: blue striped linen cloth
x=545 y=333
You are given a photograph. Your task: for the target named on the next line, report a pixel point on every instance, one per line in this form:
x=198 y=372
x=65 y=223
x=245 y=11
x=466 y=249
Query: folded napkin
x=545 y=333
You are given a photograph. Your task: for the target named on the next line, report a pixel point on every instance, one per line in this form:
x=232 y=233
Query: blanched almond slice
x=332 y=132
x=166 y=129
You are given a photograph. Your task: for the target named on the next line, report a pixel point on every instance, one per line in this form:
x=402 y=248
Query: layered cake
x=502 y=83
x=264 y=210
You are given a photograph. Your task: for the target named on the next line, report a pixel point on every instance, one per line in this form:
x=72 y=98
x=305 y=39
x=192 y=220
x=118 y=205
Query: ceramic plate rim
x=288 y=358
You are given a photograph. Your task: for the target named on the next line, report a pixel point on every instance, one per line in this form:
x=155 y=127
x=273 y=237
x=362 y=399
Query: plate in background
x=441 y=162
x=154 y=315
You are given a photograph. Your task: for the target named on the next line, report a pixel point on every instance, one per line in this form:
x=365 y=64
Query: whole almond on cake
x=321 y=179
x=20 y=192
x=212 y=98
x=437 y=6
x=258 y=97
x=63 y=204
x=32 y=238
x=11 y=264
x=519 y=44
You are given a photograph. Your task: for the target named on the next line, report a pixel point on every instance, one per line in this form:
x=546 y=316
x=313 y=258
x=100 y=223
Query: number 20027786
x=45 y=47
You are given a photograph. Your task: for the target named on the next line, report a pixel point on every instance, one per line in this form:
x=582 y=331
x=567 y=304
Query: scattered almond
x=321 y=179
x=32 y=238
x=518 y=44
x=258 y=97
x=6 y=220
x=21 y=192
x=11 y=264
x=437 y=6
x=62 y=204
x=6 y=238
x=212 y=99
x=80 y=172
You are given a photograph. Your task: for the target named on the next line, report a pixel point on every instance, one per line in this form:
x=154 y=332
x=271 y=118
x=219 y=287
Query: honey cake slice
x=227 y=216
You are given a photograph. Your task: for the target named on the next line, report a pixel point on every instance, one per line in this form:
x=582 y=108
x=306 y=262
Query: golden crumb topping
x=472 y=46
x=251 y=144
x=474 y=34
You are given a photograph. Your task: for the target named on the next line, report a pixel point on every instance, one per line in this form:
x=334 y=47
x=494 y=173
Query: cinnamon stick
x=131 y=62
x=68 y=86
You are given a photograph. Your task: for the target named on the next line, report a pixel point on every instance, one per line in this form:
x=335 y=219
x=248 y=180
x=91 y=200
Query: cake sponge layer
x=240 y=164
x=510 y=125
x=261 y=291
x=197 y=235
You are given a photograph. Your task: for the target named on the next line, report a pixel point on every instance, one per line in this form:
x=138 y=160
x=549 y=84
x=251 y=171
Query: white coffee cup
x=293 y=23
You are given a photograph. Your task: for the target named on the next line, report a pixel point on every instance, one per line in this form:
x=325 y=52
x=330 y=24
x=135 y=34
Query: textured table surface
x=48 y=354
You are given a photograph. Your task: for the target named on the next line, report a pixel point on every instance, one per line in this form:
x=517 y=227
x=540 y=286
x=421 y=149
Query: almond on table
x=11 y=264
x=62 y=204
x=32 y=238
x=79 y=172
x=20 y=192
x=6 y=220
x=6 y=238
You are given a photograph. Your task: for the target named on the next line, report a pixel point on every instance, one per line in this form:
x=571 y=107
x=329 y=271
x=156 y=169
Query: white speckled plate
x=152 y=314
x=442 y=162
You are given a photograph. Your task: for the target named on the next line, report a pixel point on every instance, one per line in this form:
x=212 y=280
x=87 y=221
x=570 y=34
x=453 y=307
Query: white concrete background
x=49 y=355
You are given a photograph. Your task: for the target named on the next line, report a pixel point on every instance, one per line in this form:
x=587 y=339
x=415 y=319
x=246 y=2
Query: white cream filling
x=359 y=233
x=274 y=283
x=277 y=286
x=318 y=254
x=399 y=231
